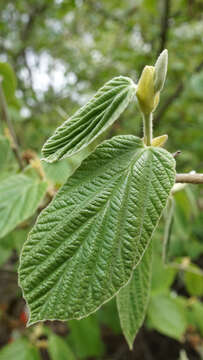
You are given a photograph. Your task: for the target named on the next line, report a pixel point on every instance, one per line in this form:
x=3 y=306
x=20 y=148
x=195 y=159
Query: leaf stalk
x=148 y=128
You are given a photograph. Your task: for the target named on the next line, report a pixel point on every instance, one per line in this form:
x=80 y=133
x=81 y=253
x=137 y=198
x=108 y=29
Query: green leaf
x=20 y=349
x=108 y=315
x=132 y=300
x=91 y=120
x=5 y=253
x=87 y=242
x=197 y=315
x=162 y=275
x=9 y=81
x=194 y=280
x=59 y=349
x=167 y=315
x=85 y=337
x=13 y=240
x=5 y=152
x=20 y=196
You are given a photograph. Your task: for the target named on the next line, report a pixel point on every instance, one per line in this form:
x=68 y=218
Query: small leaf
x=108 y=315
x=194 y=280
x=5 y=152
x=9 y=81
x=20 y=349
x=159 y=140
x=167 y=315
x=132 y=300
x=20 y=196
x=197 y=315
x=91 y=120
x=5 y=253
x=59 y=349
x=85 y=337
x=15 y=239
x=87 y=242
x=162 y=275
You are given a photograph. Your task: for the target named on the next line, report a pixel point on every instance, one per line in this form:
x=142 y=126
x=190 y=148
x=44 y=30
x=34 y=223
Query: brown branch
x=102 y=11
x=96 y=6
x=189 y=178
x=164 y=25
x=6 y=118
x=34 y=15
x=130 y=11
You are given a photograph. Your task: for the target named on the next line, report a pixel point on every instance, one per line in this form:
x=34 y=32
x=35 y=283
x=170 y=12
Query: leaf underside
x=91 y=120
x=87 y=242
x=132 y=300
x=20 y=195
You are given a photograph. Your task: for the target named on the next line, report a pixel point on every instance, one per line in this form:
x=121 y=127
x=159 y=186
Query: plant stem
x=6 y=118
x=147 y=119
x=189 y=178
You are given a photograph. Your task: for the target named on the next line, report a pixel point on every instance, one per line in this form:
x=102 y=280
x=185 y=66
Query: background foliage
x=54 y=55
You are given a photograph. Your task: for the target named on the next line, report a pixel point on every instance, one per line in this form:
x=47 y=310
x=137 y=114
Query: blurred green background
x=54 y=55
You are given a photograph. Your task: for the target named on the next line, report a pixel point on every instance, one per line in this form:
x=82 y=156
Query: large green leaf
x=132 y=300
x=91 y=120
x=87 y=242
x=20 y=349
x=20 y=196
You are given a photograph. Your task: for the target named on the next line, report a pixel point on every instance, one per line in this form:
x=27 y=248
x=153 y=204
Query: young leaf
x=194 y=280
x=132 y=300
x=8 y=81
x=20 y=349
x=20 y=196
x=59 y=349
x=5 y=152
x=167 y=315
x=85 y=337
x=91 y=120
x=108 y=316
x=196 y=309
x=162 y=276
x=87 y=242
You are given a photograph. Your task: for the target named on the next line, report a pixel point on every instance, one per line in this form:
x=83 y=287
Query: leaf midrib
x=57 y=227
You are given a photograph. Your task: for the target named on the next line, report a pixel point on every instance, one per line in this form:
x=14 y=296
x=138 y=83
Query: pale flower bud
x=151 y=83
x=145 y=90
x=160 y=71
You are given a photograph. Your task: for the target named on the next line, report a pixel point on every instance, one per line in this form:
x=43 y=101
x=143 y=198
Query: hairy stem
x=147 y=119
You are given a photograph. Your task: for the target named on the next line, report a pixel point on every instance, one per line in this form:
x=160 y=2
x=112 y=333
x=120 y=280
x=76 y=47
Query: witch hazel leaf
x=91 y=120
x=87 y=242
x=132 y=300
x=20 y=195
